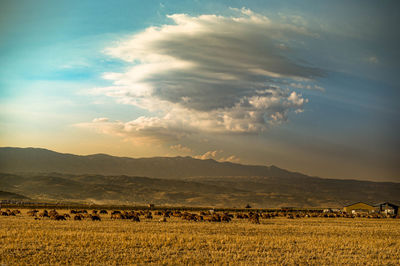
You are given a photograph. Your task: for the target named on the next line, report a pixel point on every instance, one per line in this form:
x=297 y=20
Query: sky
x=309 y=86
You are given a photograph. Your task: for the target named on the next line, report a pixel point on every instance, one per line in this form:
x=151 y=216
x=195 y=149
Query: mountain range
x=50 y=176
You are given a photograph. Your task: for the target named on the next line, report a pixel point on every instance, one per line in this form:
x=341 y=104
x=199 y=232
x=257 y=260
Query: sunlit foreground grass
x=24 y=240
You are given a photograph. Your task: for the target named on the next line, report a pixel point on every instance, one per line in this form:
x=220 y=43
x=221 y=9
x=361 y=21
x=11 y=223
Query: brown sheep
x=53 y=213
x=177 y=214
x=78 y=217
x=44 y=213
x=225 y=218
x=207 y=218
x=213 y=218
x=58 y=217
x=239 y=215
x=136 y=218
x=190 y=216
x=216 y=218
x=254 y=218
x=228 y=214
x=95 y=218
x=103 y=212
x=266 y=216
x=32 y=212
x=117 y=215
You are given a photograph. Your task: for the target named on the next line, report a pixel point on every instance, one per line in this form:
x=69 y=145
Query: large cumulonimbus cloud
x=209 y=74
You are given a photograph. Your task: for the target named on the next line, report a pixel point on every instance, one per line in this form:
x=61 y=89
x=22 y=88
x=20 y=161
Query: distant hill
x=4 y=195
x=260 y=192
x=46 y=175
x=34 y=160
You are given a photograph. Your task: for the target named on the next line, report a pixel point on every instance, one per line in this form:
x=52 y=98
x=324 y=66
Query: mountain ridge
x=44 y=160
x=100 y=178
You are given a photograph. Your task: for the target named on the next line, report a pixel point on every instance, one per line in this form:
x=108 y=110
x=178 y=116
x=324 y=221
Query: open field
x=279 y=240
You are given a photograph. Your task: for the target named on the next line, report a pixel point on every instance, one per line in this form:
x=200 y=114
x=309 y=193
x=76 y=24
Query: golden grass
x=24 y=240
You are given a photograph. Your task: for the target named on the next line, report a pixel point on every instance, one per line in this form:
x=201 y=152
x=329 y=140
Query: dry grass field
x=24 y=240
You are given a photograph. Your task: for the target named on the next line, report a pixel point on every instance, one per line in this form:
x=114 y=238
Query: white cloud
x=232 y=159
x=216 y=155
x=181 y=148
x=208 y=74
x=208 y=155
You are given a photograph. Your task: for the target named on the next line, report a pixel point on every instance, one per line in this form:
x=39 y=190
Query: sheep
x=226 y=218
x=254 y=218
x=117 y=215
x=32 y=212
x=136 y=218
x=95 y=218
x=290 y=216
x=149 y=215
x=78 y=217
x=53 y=213
x=44 y=213
x=58 y=217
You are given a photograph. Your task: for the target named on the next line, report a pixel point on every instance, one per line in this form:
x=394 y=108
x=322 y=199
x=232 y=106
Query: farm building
x=359 y=207
x=388 y=208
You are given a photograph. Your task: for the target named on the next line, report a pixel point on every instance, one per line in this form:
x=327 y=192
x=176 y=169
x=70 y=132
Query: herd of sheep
x=164 y=215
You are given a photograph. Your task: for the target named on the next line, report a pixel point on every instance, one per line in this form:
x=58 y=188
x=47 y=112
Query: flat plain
x=279 y=240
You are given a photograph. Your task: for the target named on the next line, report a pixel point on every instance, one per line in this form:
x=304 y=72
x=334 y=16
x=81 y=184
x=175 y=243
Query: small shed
x=359 y=207
x=388 y=208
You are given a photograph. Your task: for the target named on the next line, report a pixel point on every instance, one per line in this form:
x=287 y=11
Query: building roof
x=358 y=203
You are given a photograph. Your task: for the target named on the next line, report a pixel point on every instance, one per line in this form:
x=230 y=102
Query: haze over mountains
x=46 y=175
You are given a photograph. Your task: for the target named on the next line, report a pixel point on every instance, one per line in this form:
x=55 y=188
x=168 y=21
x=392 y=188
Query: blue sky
x=308 y=86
